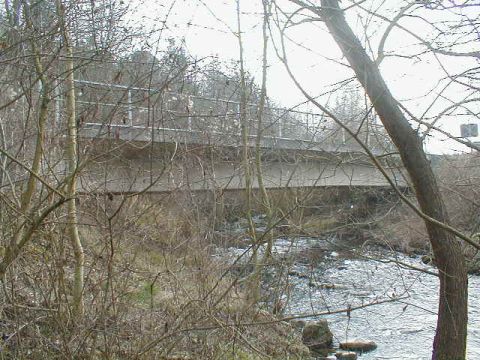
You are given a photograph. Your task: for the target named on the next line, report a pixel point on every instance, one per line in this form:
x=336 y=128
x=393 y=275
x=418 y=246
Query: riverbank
x=368 y=293
x=163 y=279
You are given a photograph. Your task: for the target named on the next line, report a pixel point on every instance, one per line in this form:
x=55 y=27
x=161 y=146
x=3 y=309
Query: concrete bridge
x=188 y=142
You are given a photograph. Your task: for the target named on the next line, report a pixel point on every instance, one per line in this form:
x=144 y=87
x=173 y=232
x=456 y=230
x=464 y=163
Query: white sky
x=207 y=25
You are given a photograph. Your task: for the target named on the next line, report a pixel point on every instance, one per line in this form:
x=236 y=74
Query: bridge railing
x=114 y=104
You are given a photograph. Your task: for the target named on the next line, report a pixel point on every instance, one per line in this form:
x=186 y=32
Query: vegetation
x=113 y=232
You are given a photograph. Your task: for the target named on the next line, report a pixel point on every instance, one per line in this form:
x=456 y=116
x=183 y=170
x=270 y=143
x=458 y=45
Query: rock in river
x=346 y=355
x=317 y=335
x=358 y=345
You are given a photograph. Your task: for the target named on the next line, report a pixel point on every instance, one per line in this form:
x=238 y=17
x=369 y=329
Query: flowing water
x=333 y=280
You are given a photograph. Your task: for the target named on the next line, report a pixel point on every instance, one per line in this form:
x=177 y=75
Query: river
x=336 y=279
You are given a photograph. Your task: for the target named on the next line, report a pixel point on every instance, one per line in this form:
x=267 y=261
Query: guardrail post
x=188 y=106
x=280 y=125
x=130 y=110
x=367 y=137
x=57 y=104
x=239 y=116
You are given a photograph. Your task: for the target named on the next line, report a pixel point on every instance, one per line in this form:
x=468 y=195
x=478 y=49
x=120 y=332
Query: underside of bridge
x=120 y=166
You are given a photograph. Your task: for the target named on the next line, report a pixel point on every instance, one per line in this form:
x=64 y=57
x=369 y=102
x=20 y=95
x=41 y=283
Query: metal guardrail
x=122 y=107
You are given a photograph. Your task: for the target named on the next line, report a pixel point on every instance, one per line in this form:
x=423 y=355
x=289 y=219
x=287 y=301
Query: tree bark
x=267 y=207
x=72 y=188
x=451 y=333
x=253 y=294
x=22 y=236
x=72 y=166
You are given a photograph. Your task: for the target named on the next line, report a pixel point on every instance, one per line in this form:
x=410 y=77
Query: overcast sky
x=207 y=25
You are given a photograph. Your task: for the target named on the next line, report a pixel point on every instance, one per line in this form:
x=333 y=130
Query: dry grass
x=152 y=291
x=459 y=180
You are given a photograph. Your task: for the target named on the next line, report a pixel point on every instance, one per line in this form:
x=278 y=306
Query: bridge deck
x=329 y=158
x=185 y=136
x=142 y=114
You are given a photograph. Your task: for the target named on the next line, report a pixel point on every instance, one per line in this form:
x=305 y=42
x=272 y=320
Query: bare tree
x=72 y=159
x=450 y=339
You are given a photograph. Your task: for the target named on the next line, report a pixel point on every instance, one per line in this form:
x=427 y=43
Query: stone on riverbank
x=346 y=355
x=298 y=324
x=317 y=336
x=427 y=259
x=358 y=345
x=474 y=266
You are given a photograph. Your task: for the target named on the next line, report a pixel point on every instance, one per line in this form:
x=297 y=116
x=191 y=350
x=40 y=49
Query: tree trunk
x=253 y=294
x=451 y=333
x=72 y=187
x=267 y=207
x=22 y=235
x=72 y=164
